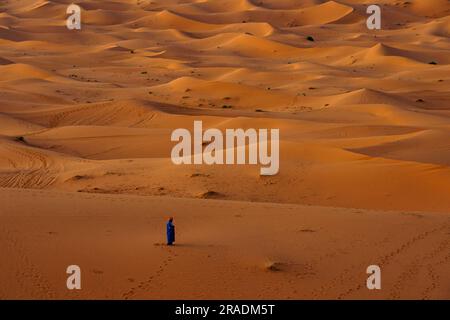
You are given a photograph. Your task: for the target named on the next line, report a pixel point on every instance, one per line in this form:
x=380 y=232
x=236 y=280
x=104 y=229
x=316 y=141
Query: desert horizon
x=355 y=171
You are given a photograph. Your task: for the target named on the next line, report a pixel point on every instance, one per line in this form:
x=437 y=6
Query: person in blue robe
x=170 y=232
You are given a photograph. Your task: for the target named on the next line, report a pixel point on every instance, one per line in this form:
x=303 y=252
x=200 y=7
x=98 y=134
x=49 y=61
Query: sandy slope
x=363 y=115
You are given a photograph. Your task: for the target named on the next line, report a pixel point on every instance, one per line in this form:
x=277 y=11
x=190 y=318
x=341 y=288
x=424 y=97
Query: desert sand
x=86 y=176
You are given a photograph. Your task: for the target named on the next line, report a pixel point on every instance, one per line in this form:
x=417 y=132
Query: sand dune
x=11 y=126
x=327 y=12
x=4 y=61
x=432 y=8
x=86 y=118
x=17 y=71
x=368 y=96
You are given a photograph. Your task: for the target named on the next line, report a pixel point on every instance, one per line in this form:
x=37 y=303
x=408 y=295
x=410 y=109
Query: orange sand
x=86 y=176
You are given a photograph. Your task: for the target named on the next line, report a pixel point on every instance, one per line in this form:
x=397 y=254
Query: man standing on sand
x=170 y=232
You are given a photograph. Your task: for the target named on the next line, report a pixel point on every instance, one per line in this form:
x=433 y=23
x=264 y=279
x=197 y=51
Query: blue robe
x=170 y=233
